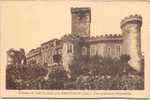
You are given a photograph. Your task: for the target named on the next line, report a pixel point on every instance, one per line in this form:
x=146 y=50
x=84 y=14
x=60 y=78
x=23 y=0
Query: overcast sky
x=27 y=24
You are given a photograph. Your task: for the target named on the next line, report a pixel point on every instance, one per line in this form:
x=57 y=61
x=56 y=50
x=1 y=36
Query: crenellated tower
x=81 y=20
x=131 y=29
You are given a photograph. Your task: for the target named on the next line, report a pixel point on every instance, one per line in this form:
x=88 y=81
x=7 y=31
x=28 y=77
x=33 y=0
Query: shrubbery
x=95 y=73
x=24 y=76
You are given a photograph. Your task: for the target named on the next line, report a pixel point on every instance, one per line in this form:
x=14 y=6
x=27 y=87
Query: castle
x=79 y=43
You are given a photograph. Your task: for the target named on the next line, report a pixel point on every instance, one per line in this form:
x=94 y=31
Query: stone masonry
x=79 y=43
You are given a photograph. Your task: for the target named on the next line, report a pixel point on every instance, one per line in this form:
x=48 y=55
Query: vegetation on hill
x=94 y=73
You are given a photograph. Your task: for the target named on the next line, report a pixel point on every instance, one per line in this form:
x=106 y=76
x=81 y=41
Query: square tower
x=81 y=20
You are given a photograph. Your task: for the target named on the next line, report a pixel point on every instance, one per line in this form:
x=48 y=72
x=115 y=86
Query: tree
x=24 y=76
x=56 y=78
x=125 y=58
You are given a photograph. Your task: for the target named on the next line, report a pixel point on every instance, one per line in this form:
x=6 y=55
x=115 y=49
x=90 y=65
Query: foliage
x=23 y=75
x=103 y=73
x=56 y=78
x=97 y=65
x=130 y=82
x=35 y=77
x=94 y=73
x=125 y=58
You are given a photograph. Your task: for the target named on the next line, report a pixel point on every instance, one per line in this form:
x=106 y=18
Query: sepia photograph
x=74 y=45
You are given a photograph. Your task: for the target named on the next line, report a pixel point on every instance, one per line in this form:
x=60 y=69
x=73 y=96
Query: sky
x=27 y=24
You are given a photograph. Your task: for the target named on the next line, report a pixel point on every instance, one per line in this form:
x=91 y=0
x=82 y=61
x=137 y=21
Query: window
x=93 y=50
x=54 y=43
x=51 y=60
x=100 y=50
x=57 y=42
x=57 y=58
x=107 y=51
x=59 y=51
x=118 y=50
x=70 y=48
x=84 y=51
x=51 y=44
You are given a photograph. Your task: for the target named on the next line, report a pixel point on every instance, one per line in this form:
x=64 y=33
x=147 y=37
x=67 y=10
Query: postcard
x=75 y=49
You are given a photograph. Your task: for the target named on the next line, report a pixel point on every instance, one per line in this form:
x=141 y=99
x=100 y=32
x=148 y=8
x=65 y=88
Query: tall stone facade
x=71 y=50
x=50 y=51
x=79 y=43
x=34 y=56
x=81 y=20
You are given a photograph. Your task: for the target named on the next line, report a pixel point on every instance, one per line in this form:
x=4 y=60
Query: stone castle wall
x=131 y=29
x=79 y=43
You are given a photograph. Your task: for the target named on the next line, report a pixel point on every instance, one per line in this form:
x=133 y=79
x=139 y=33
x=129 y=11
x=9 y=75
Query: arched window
x=84 y=51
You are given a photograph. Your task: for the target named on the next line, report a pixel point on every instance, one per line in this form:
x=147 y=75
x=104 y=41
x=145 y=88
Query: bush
x=132 y=82
x=24 y=76
x=56 y=78
x=95 y=73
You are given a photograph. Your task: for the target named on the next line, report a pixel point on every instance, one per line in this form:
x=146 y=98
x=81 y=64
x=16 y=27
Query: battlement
x=80 y=10
x=106 y=37
x=131 y=19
